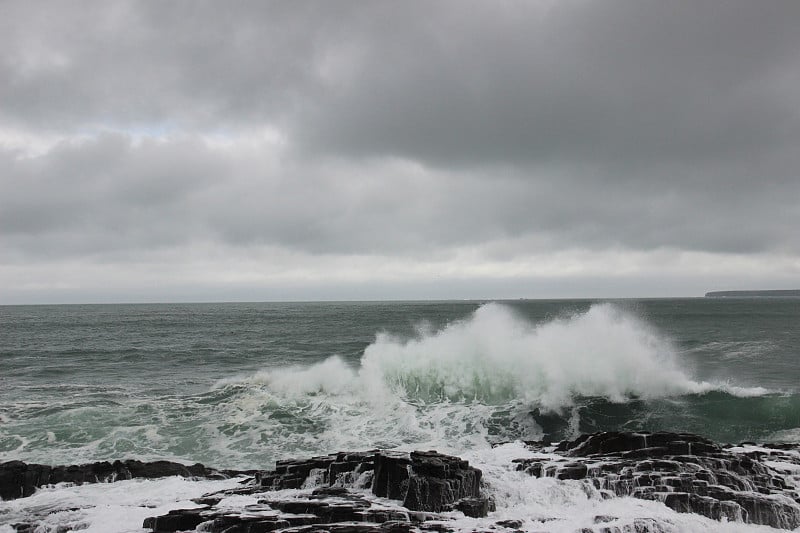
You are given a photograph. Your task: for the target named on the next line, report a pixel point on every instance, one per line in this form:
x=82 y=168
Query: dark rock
x=178 y=520
x=396 y=526
x=391 y=475
x=428 y=494
x=207 y=500
x=602 y=519
x=426 y=482
x=341 y=468
x=326 y=512
x=685 y=472
x=572 y=471
x=553 y=425
x=614 y=442
x=688 y=473
x=330 y=491
x=534 y=467
x=436 y=482
x=18 y=479
x=474 y=507
x=678 y=501
x=245 y=524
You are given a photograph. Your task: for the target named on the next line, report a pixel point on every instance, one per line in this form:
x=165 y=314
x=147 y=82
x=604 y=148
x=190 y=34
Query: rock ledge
x=688 y=473
x=344 y=499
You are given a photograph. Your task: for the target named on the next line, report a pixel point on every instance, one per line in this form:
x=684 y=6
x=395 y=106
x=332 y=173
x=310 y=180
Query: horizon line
x=377 y=300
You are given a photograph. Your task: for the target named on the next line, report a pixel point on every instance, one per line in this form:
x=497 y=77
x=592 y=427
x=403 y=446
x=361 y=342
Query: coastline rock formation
x=688 y=473
x=428 y=483
x=424 y=481
x=18 y=479
x=396 y=492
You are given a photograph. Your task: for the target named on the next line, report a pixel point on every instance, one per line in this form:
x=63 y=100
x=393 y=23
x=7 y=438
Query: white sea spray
x=449 y=388
x=118 y=507
x=457 y=389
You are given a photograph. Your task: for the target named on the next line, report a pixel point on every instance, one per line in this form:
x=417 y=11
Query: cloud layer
x=349 y=150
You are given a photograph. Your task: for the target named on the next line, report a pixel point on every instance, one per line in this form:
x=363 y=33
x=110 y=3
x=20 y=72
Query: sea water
x=242 y=385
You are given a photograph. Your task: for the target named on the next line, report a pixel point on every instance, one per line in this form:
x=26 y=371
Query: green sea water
x=244 y=384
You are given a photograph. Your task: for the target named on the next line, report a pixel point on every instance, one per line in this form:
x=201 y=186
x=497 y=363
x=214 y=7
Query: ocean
x=241 y=385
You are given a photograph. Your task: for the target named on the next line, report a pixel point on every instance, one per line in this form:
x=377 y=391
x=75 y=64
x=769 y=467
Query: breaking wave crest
x=491 y=377
x=472 y=381
x=494 y=357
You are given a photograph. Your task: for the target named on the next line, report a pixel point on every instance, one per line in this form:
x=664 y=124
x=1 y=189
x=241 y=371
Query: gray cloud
x=109 y=194
x=602 y=82
x=403 y=131
x=509 y=81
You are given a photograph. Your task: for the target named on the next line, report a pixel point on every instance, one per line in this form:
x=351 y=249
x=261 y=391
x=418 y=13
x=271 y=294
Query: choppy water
x=241 y=385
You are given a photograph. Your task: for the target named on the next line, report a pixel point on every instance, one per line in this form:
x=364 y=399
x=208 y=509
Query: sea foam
x=455 y=389
x=105 y=507
x=469 y=383
x=495 y=356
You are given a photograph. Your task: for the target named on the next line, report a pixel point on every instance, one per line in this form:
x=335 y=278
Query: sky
x=245 y=151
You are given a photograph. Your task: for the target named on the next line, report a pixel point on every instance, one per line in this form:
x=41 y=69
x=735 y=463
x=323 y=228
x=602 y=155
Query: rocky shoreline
x=397 y=492
x=688 y=473
x=19 y=479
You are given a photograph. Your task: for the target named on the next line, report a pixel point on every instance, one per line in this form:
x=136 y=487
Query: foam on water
x=456 y=389
x=568 y=506
x=495 y=356
x=470 y=383
x=105 y=507
x=786 y=435
x=453 y=388
x=537 y=503
x=741 y=350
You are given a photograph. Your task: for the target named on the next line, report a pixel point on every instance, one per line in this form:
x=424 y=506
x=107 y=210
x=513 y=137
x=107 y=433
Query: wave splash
x=471 y=382
x=494 y=357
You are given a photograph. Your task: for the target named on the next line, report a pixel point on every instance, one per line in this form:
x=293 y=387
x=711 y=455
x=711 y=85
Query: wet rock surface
x=347 y=498
x=424 y=481
x=18 y=479
x=688 y=473
x=394 y=492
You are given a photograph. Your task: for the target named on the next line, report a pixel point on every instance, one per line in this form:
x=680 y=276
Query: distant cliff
x=786 y=293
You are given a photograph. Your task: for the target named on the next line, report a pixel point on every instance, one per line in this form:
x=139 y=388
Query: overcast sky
x=214 y=151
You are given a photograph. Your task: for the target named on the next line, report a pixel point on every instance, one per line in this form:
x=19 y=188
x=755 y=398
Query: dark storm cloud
x=191 y=64
x=399 y=129
x=476 y=81
x=600 y=81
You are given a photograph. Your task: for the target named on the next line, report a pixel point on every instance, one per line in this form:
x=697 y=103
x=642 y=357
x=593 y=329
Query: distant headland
x=784 y=293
